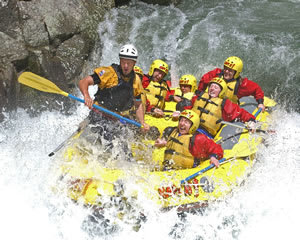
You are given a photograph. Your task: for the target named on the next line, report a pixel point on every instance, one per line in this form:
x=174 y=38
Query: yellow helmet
x=223 y=85
x=193 y=117
x=190 y=80
x=158 y=64
x=234 y=63
x=138 y=70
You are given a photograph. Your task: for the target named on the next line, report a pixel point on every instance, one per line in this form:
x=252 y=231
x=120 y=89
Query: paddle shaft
x=108 y=112
x=243 y=126
x=201 y=171
x=234 y=125
x=42 y=84
x=168 y=111
x=82 y=125
x=64 y=142
x=257 y=112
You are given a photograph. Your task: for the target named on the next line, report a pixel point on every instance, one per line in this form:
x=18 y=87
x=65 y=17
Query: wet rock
x=50 y=38
x=75 y=48
x=8 y=88
x=162 y=2
x=11 y=49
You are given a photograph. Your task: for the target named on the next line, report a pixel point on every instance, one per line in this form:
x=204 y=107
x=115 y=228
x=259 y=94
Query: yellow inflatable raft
x=90 y=180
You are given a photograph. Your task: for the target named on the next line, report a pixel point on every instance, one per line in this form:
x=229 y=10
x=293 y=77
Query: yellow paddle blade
x=37 y=82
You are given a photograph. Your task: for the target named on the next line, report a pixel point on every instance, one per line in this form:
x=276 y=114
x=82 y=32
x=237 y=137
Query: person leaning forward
x=238 y=87
x=156 y=87
x=186 y=148
x=119 y=88
x=186 y=89
x=183 y=94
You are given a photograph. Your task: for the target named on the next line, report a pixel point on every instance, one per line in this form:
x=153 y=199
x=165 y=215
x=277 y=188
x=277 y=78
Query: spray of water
x=266 y=206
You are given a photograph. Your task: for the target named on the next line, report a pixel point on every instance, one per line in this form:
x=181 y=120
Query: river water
x=193 y=38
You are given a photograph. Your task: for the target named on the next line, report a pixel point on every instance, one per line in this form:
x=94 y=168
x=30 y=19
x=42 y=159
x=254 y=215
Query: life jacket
x=209 y=111
x=156 y=93
x=188 y=95
x=232 y=88
x=117 y=98
x=144 y=100
x=177 y=154
x=143 y=94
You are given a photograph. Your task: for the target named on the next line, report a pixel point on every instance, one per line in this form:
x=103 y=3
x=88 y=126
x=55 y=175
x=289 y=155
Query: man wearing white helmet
x=119 y=87
x=119 y=90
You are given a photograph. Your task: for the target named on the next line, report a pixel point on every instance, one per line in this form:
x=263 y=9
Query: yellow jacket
x=177 y=154
x=209 y=111
x=116 y=92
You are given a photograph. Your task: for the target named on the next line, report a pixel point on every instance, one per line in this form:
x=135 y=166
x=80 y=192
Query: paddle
x=168 y=111
x=81 y=126
x=245 y=127
x=257 y=112
x=42 y=84
x=200 y=172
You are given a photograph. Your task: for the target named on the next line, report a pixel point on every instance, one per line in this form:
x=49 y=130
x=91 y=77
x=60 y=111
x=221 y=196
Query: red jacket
x=170 y=93
x=230 y=111
x=246 y=88
x=204 y=148
x=145 y=80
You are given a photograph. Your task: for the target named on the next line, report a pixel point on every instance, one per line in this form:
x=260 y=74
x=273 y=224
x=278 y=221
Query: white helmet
x=128 y=51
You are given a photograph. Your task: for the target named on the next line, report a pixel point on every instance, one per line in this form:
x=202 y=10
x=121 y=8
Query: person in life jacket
x=186 y=89
x=119 y=87
x=183 y=94
x=185 y=147
x=238 y=87
x=213 y=107
x=156 y=88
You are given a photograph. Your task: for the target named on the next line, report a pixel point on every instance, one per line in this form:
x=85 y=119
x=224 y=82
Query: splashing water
x=266 y=206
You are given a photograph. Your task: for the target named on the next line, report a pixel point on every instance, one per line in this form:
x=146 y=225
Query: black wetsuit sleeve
x=96 y=78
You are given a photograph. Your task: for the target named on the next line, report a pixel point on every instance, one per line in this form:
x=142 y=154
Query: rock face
x=48 y=37
x=51 y=38
x=162 y=2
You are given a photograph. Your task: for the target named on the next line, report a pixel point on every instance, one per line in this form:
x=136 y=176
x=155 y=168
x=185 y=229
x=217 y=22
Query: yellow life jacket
x=177 y=154
x=156 y=93
x=232 y=88
x=144 y=100
x=114 y=92
x=209 y=111
x=188 y=95
x=231 y=92
x=143 y=92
